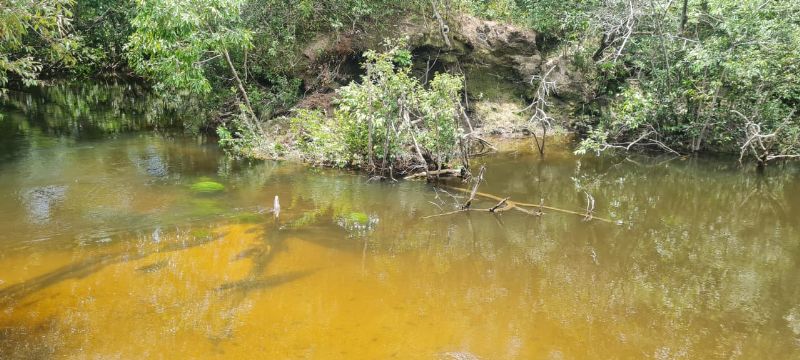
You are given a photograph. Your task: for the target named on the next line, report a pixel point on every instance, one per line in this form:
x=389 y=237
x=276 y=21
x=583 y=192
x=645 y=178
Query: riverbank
x=419 y=102
x=659 y=76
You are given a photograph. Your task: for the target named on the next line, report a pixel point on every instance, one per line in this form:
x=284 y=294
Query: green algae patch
x=359 y=217
x=205 y=207
x=206 y=187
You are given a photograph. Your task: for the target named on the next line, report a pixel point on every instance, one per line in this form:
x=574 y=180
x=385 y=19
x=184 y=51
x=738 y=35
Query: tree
x=388 y=121
x=700 y=75
x=104 y=27
x=175 y=41
x=33 y=33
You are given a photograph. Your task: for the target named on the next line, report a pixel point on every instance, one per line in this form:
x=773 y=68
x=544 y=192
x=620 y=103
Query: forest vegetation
x=403 y=87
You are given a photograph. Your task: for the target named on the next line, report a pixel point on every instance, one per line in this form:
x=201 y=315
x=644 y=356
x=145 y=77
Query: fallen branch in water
x=589 y=207
x=502 y=205
x=474 y=189
x=443 y=172
x=505 y=204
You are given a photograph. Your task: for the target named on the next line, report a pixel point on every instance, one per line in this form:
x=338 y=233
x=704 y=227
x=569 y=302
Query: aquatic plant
x=207 y=187
x=359 y=217
x=357 y=223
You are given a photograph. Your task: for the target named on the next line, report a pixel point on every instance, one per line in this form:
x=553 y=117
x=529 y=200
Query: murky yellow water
x=214 y=301
x=109 y=251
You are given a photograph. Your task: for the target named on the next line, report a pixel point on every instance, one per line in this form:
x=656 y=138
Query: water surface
x=109 y=249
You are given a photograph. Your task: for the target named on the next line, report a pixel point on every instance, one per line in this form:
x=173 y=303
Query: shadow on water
x=272 y=243
x=231 y=296
x=248 y=285
x=154 y=267
x=12 y=294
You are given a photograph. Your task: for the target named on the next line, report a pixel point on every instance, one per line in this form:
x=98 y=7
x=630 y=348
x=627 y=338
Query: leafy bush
x=243 y=137
x=318 y=138
x=628 y=115
x=175 y=41
x=388 y=120
x=715 y=75
x=32 y=35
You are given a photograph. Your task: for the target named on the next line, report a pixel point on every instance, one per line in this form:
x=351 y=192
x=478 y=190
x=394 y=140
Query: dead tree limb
x=483 y=143
x=761 y=145
x=520 y=205
x=501 y=205
x=589 y=207
x=684 y=17
x=478 y=180
x=643 y=140
x=464 y=115
x=442 y=26
x=431 y=173
x=539 y=104
x=255 y=122
x=404 y=115
x=465 y=168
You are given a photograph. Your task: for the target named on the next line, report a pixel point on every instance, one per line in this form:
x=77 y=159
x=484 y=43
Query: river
x=123 y=238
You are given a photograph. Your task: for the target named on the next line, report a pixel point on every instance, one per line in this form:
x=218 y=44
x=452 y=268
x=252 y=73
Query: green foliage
x=33 y=33
x=385 y=118
x=104 y=27
x=239 y=137
x=705 y=81
x=629 y=113
x=554 y=19
x=281 y=27
x=318 y=138
x=698 y=87
x=175 y=41
x=283 y=92
x=62 y=36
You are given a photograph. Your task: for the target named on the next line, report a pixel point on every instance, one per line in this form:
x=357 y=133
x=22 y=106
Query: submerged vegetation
x=207 y=186
x=314 y=79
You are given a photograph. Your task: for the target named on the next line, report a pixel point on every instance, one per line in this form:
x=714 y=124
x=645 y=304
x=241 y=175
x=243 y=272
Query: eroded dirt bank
x=501 y=63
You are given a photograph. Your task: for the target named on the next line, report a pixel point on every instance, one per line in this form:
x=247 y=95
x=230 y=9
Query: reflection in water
x=86 y=111
x=106 y=251
x=40 y=200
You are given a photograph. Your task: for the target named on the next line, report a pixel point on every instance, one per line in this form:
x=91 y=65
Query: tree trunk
x=240 y=85
x=603 y=45
x=684 y=17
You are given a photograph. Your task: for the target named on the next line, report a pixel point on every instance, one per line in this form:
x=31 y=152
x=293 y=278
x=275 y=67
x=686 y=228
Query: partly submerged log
x=505 y=204
x=433 y=173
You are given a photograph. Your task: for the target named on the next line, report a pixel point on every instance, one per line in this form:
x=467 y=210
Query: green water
x=122 y=237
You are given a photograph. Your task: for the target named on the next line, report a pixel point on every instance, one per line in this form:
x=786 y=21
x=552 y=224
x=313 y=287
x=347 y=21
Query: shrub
x=388 y=121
